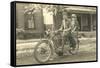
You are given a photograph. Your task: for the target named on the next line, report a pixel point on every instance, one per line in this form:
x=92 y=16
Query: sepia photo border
x=13 y=33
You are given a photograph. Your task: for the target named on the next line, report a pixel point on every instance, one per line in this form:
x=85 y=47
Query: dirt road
x=87 y=52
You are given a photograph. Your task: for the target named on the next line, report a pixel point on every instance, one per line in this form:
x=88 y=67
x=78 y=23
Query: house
x=86 y=17
x=32 y=23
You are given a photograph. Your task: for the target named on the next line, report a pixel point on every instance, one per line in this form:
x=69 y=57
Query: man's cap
x=64 y=12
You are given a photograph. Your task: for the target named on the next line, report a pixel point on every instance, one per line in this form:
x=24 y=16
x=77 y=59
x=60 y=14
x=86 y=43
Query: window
x=31 y=23
x=29 y=20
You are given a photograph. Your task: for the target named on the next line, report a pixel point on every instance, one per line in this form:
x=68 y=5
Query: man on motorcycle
x=65 y=32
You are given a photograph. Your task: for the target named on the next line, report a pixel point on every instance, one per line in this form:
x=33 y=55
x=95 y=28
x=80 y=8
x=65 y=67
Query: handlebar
x=55 y=31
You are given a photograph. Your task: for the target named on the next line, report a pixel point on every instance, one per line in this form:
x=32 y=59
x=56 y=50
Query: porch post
x=81 y=23
x=91 y=22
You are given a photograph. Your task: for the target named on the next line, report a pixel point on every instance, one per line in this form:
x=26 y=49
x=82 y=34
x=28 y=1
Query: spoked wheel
x=43 y=51
x=74 y=50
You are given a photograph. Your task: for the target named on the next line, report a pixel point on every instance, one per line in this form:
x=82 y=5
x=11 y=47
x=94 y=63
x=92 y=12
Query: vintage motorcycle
x=53 y=43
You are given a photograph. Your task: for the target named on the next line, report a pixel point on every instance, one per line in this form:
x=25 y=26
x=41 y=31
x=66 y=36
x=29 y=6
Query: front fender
x=51 y=44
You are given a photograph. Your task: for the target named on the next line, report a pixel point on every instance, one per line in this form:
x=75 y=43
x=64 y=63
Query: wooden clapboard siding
x=38 y=18
x=21 y=21
x=20 y=15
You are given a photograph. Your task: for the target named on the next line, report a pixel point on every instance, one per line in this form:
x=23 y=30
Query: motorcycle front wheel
x=43 y=51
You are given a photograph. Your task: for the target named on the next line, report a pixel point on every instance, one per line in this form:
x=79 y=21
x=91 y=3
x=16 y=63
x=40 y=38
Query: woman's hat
x=73 y=15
